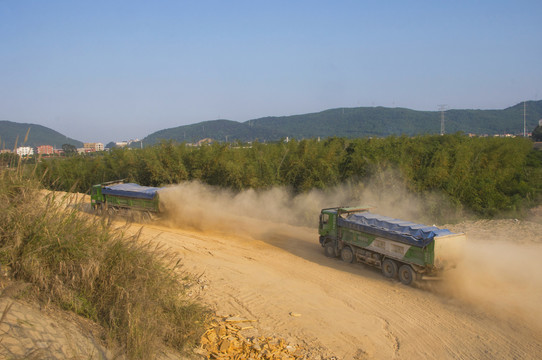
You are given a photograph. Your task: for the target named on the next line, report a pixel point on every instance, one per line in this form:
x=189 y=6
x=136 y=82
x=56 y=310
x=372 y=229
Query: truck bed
x=394 y=229
x=131 y=190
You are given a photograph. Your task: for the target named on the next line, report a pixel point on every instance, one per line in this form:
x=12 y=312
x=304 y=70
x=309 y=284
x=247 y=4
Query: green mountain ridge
x=357 y=122
x=13 y=134
x=341 y=122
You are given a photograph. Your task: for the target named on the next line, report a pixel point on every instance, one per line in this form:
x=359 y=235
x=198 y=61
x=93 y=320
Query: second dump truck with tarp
x=399 y=248
x=115 y=195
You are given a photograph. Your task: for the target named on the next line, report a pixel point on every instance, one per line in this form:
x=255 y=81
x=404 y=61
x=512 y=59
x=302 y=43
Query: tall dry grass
x=132 y=288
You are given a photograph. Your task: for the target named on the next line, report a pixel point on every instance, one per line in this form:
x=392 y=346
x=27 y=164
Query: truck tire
x=329 y=250
x=347 y=255
x=389 y=268
x=406 y=274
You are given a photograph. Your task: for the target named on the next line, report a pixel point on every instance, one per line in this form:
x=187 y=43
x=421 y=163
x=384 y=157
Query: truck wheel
x=347 y=255
x=406 y=274
x=389 y=268
x=329 y=250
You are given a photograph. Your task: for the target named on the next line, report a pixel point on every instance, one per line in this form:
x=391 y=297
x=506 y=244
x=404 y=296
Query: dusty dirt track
x=267 y=270
x=349 y=310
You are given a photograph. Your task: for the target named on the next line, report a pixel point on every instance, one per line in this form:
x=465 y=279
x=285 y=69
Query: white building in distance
x=25 y=151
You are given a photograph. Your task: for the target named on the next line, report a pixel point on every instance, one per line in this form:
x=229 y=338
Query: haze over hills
x=12 y=133
x=341 y=122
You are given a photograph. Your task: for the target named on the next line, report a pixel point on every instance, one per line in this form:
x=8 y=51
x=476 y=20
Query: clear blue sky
x=115 y=70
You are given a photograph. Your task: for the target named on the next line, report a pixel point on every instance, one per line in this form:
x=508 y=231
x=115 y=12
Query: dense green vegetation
x=130 y=287
x=486 y=176
x=9 y=159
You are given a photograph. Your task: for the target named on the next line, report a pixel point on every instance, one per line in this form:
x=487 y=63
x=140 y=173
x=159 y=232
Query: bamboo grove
x=486 y=176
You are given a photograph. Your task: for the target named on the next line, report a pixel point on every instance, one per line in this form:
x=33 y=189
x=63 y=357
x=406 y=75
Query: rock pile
x=227 y=338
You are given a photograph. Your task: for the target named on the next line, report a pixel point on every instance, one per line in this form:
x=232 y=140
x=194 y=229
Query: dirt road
x=350 y=310
x=252 y=263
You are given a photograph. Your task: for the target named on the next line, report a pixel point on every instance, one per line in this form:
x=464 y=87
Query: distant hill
x=357 y=122
x=341 y=122
x=224 y=130
x=11 y=132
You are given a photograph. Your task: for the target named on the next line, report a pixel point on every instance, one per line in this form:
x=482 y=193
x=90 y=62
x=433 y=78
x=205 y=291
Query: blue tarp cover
x=399 y=230
x=131 y=190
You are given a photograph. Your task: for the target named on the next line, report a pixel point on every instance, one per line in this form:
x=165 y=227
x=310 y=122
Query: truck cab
x=96 y=196
x=328 y=225
x=327 y=228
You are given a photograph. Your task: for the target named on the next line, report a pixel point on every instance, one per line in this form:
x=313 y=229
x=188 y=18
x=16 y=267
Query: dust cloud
x=207 y=208
x=500 y=273
x=211 y=209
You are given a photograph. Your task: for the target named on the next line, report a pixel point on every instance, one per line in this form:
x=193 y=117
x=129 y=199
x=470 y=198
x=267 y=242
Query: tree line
x=486 y=176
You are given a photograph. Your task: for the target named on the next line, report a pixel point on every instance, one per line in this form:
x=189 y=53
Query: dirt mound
x=28 y=331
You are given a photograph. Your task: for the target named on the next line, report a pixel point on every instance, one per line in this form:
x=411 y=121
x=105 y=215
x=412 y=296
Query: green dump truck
x=116 y=196
x=399 y=248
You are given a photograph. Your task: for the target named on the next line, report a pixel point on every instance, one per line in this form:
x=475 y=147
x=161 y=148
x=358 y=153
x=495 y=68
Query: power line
x=442 y=109
x=524 y=119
